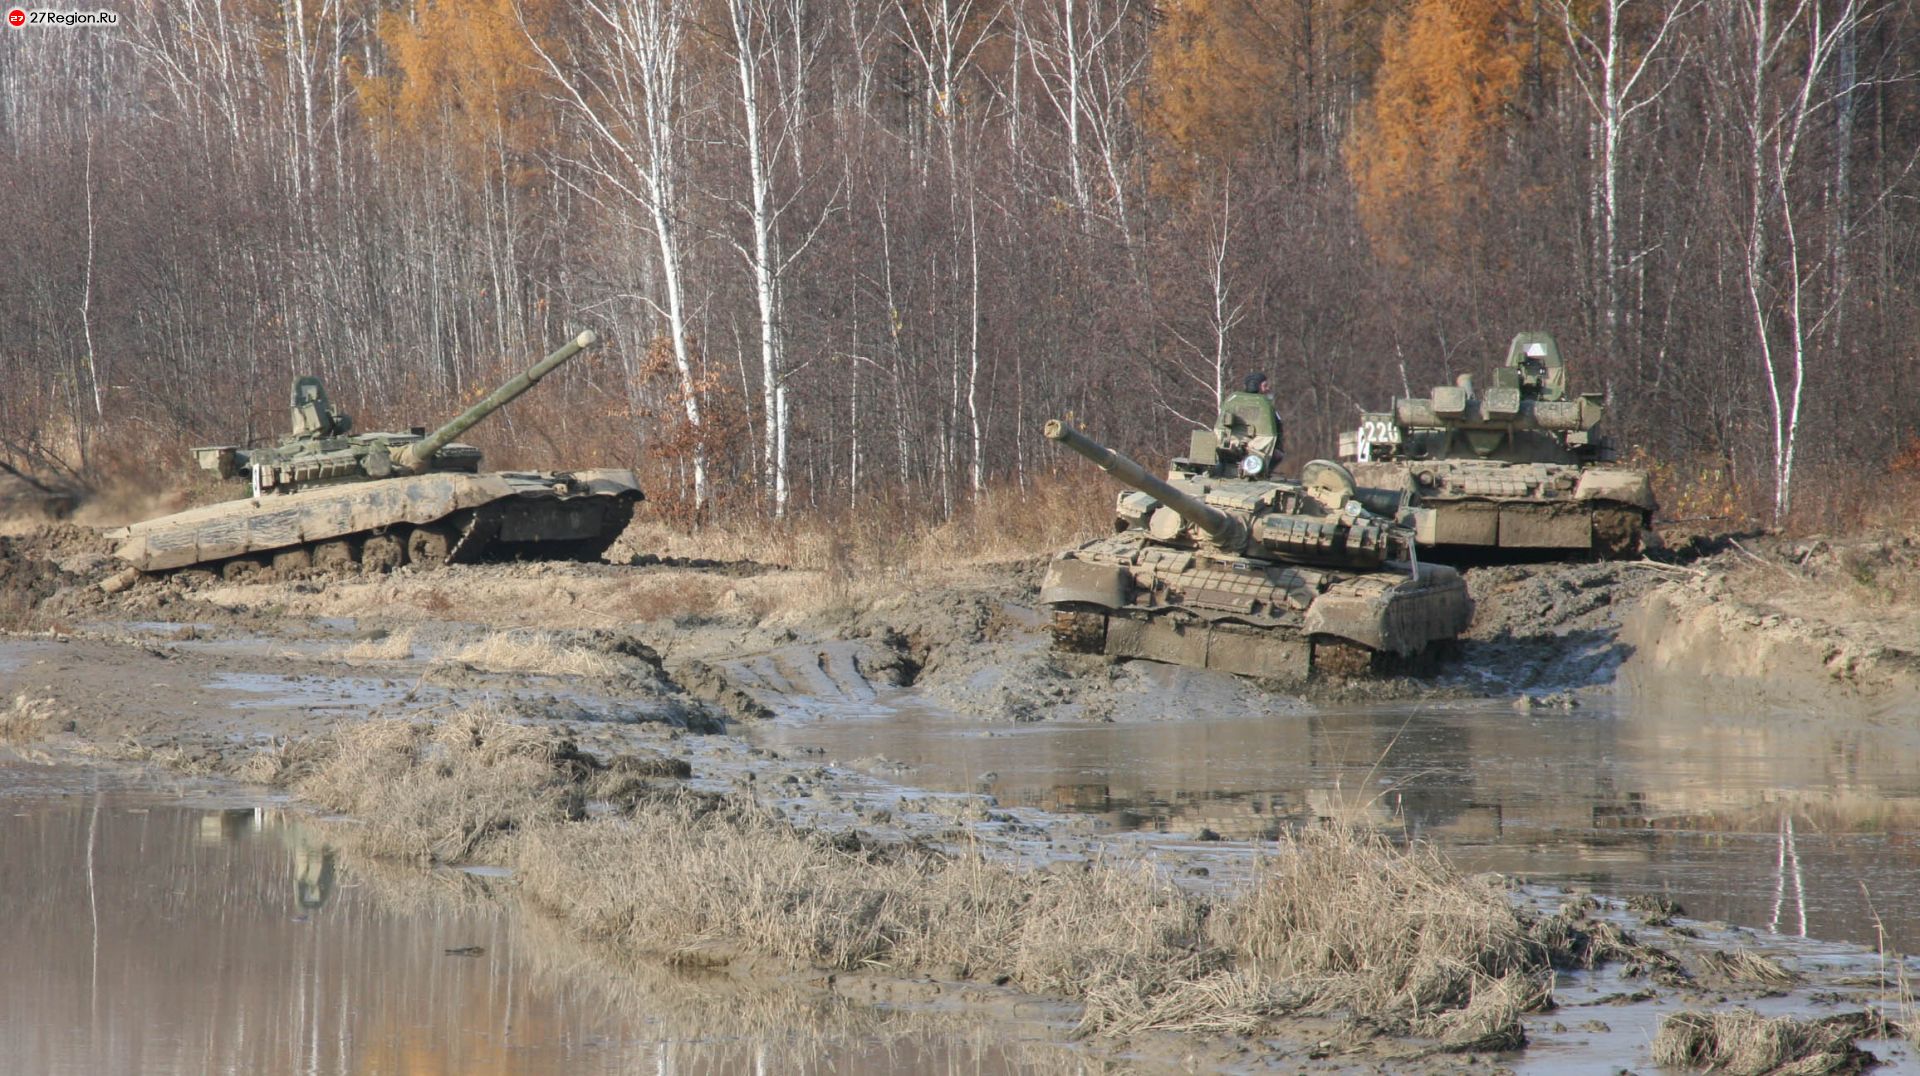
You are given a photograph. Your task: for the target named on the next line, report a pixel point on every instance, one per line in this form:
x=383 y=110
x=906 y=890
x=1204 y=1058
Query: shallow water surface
x=1799 y=823
x=147 y=934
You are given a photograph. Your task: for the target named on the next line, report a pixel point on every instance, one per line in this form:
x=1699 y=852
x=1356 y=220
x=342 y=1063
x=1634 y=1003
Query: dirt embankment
x=1812 y=622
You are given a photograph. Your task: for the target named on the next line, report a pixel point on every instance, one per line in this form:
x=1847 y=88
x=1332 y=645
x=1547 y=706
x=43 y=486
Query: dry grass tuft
x=28 y=719
x=1362 y=927
x=1741 y=1042
x=1224 y=1002
x=283 y=763
x=1398 y=938
x=1339 y=921
x=1744 y=967
x=397 y=646
x=530 y=651
x=693 y=875
x=1491 y=1018
x=442 y=792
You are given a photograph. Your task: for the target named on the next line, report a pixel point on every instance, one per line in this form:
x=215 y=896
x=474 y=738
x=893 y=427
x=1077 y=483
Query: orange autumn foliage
x=464 y=75
x=1234 y=78
x=1219 y=77
x=1448 y=69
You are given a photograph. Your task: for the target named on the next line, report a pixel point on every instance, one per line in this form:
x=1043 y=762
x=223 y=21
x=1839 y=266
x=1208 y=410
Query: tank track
x=469 y=537
x=1084 y=631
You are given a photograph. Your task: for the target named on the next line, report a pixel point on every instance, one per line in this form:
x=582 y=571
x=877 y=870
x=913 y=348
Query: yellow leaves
x=1694 y=487
x=1222 y=74
x=462 y=73
x=1447 y=69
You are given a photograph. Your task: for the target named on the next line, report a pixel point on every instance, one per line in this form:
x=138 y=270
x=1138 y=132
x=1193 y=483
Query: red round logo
x=17 y=17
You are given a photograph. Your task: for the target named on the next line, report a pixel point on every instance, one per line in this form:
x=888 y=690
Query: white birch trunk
x=642 y=43
x=973 y=347
x=748 y=25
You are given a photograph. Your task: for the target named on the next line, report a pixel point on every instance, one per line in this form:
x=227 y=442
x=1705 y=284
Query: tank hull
x=1548 y=508
x=428 y=519
x=1129 y=597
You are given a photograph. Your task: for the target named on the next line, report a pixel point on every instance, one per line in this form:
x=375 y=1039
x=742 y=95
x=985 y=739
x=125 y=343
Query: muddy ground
x=668 y=660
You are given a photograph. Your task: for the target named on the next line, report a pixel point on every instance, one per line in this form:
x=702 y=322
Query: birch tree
x=629 y=105
x=1779 y=92
x=1069 y=42
x=1612 y=73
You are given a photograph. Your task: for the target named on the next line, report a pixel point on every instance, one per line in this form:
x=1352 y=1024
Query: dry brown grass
x=1741 y=1042
x=440 y=792
x=692 y=878
x=770 y=1025
x=1744 y=967
x=901 y=528
x=1387 y=934
x=281 y=763
x=1338 y=921
x=397 y=646
x=532 y=651
x=28 y=719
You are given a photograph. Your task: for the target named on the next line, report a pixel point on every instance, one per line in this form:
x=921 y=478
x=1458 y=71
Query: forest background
x=850 y=254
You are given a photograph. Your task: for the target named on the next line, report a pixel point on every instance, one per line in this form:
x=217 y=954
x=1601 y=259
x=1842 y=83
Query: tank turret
x=328 y=499
x=1259 y=576
x=323 y=450
x=1318 y=520
x=1514 y=463
x=1522 y=416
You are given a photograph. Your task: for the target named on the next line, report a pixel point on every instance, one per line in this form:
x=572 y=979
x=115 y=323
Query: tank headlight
x=1252 y=464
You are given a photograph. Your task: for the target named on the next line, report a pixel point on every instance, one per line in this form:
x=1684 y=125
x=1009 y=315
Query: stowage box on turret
x=328 y=498
x=1516 y=465
x=1225 y=567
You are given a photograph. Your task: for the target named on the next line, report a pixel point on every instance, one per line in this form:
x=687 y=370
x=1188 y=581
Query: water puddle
x=149 y=934
x=1789 y=822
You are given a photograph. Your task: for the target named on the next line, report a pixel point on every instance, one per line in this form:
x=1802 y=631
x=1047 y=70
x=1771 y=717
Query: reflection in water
x=1772 y=820
x=145 y=937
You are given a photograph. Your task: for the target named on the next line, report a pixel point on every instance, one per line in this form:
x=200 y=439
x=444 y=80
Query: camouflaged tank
x=331 y=499
x=1516 y=465
x=1224 y=566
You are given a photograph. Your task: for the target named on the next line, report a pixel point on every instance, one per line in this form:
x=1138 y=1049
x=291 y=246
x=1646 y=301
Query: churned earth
x=784 y=705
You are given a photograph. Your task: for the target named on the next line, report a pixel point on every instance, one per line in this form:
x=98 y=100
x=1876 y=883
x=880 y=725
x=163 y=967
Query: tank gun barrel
x=1553 y=416
x=1218 y=525
x=417 y=454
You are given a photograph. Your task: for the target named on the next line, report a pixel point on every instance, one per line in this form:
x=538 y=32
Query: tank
x=1222 y=566
x=328 y=498
x=1515 y=465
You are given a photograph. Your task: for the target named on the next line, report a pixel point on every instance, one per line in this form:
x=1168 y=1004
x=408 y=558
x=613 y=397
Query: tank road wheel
x=290 y=562
x=429 y=547
x=382 y=553
x=473 y=532
x=334 y=556
x=1080 y=632
x=1616 y=532
x=1340 y=657
x=244 y=569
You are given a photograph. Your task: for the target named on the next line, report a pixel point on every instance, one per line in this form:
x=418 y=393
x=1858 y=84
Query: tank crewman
x=1248 y=416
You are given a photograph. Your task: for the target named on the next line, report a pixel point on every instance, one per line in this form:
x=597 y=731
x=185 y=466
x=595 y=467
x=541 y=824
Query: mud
x=933 y=711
